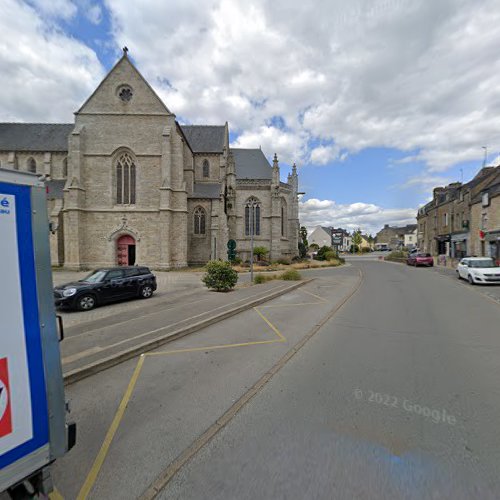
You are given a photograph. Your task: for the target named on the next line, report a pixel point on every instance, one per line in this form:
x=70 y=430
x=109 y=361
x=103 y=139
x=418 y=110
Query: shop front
x=459 y=245
x=492 y=240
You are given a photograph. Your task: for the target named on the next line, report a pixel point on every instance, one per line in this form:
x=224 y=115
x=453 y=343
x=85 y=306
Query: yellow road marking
x=211 y=348
x=103 y=452
x=273 y=328
x=55 y=495
x=96 y=349
x=316 y=296
x=96 y=467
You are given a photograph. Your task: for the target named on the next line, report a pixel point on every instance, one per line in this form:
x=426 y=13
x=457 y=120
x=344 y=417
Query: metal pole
x=252 y=207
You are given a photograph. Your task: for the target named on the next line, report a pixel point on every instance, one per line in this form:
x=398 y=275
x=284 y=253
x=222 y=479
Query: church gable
x=124 y=90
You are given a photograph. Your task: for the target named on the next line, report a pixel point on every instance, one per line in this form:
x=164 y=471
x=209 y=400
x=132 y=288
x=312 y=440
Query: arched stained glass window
x=125 y=180
x=32 y=165
x=284 y=218
x=199 y=220
x=206 y=168
x=252 y=216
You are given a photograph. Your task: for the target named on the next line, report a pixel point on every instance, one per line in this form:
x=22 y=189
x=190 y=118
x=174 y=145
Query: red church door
x=125 y=250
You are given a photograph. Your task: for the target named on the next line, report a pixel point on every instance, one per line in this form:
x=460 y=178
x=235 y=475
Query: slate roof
x=251 y=164
x=34 y=136
x=205 y=190
x=204 y=138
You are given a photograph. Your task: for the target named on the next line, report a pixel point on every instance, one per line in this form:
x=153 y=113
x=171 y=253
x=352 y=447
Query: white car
x=479 y=271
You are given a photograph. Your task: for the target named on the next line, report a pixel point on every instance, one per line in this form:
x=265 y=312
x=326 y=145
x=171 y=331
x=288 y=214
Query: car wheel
x=470 y=279
x=146 y=291
x=86 y=302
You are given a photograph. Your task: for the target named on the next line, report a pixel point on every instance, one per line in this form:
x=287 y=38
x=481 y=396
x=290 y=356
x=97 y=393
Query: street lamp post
x=252 y=227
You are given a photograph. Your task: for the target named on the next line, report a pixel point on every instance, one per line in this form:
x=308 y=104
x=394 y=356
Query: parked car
x=479 y=271
x=106 y=285
x=420 y=259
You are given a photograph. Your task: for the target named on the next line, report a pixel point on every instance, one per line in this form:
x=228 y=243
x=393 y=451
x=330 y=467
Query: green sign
x=231 y=250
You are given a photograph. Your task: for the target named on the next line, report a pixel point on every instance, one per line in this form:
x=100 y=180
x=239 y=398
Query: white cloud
x=63 y=9
x=424 y=183
x=368 y=217
x=94 y=14
x=321 y=155
x=413 y=75
x=289 y=146
x=44 y=74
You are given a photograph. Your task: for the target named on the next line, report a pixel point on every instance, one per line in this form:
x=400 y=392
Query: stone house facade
x=450 y=224
x=127 y=184
x=396 y=236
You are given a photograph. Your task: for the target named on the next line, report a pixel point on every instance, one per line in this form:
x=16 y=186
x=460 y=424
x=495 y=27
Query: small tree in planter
x=260 y=252
x=220 y=276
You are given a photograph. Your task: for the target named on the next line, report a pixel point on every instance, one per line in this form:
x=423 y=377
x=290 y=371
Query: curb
x=103 y=364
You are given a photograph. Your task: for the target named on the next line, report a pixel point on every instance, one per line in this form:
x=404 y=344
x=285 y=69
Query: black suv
x=106 y=285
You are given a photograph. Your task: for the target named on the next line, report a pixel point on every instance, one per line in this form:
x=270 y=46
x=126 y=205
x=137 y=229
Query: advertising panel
x=23 y=404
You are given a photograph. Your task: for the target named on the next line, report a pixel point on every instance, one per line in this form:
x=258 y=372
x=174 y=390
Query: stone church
x=127 y=184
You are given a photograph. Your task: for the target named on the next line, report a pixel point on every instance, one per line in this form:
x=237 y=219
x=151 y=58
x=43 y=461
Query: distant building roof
x=35 y=136
x=205 y=138
x=251 y=164
x=205 y=190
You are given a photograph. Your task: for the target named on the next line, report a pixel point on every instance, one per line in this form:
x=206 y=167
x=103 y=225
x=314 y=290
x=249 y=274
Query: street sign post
x=337 y=237
x=231 y=250
x=33 y=430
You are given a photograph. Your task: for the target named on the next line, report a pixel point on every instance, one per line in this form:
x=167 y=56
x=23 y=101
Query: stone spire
x=294 y=178
x=276 y=171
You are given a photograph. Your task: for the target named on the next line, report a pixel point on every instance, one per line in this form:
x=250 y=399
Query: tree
x=302 y=250
x=303 y=236
x=357 y=239
x=323 y=252
x=260 y=252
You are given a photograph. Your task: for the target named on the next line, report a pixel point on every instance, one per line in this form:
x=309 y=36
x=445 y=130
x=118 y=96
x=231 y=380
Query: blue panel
x=32 y=326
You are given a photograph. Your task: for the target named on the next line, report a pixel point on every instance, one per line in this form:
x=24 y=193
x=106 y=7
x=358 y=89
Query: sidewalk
x=102 y=342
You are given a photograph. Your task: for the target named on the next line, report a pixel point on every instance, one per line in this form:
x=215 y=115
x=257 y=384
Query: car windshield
x=423 y=255
x=94 y=277
x=482 y=263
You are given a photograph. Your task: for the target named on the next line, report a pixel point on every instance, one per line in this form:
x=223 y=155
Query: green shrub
x=282 y=261
x=259 y=279
x=260 y=252
x=322 y=252
x=236 y=261
x=314 y=247
x=220 y=276
x=365 y=249
x=330 y=255
x=397 y=256
x=291 y=275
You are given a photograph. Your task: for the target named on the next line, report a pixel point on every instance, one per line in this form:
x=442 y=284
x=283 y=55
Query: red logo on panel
x=5 y=411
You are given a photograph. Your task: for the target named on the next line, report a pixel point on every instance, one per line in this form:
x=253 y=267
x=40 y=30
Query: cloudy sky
x=377 y=101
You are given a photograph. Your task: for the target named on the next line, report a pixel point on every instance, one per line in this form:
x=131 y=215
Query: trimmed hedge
x=220 y=276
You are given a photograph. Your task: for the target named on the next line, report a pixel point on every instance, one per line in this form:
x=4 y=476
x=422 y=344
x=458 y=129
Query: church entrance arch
x=125 y=250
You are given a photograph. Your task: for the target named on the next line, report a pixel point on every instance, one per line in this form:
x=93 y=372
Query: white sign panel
x=15 y=397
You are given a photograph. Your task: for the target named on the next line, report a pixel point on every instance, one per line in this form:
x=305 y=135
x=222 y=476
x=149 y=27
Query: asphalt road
x=395 y=396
